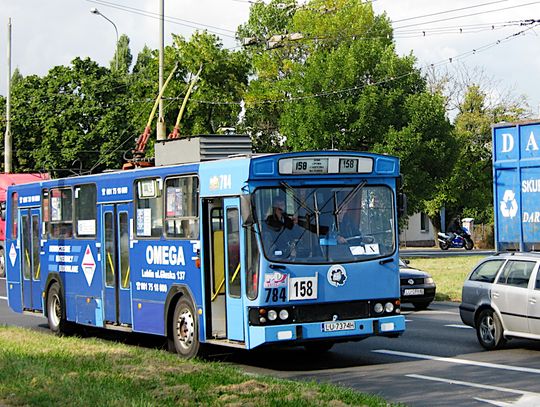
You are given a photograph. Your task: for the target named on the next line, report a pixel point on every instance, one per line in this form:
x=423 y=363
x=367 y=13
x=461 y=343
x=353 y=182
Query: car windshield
x=325 y=224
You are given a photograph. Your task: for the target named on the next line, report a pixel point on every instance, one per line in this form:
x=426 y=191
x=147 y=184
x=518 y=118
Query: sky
x=481 y=35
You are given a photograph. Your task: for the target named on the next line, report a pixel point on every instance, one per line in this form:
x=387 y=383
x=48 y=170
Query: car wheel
x=489 y=330
x=421 y=305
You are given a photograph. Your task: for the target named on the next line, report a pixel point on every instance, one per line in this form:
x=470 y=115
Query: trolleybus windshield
x=326 y=224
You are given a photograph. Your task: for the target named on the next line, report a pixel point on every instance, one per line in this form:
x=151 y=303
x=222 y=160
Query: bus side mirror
x=246 y=210
x=3 y=210
x=402 y=204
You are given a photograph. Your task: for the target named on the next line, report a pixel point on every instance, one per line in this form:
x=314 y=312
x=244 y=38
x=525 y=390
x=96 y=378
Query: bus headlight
x=272 y=315
x=388 y=307
x=283 y=314
x=378 y=308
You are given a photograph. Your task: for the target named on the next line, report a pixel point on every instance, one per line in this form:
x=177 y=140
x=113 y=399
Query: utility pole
x=161 y=128
x=7 y=139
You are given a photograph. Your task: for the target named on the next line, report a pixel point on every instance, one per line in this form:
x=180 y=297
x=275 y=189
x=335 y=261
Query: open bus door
x=235 y=309
x=115 y=264
x=30 y=265
x=224 y=277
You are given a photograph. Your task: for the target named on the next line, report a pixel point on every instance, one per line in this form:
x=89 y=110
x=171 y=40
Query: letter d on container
x=508 y=142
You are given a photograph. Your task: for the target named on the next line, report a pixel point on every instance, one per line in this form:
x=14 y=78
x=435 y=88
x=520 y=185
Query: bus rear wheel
x=56 y=310
x=185 y=329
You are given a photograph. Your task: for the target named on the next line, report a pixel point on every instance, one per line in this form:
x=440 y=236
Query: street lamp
x=95 y=11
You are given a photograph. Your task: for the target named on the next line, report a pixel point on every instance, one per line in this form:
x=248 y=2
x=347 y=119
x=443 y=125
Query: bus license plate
x=338 y=326
x=413 y=291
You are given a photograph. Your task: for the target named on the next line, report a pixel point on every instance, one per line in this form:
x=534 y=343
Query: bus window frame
x=75 y=219
x=14 y=215
x=160 y=183
x=51 y=222
x=45 y=215
x=197 y=207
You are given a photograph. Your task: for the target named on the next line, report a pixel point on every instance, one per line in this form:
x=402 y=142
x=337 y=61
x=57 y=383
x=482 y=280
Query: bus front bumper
x=350 y=330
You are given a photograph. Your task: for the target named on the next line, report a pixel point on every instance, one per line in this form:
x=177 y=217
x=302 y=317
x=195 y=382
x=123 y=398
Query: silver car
x=501 y=298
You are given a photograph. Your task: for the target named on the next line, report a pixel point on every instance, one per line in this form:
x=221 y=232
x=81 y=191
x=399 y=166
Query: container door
x=30 y=266
x=233 y=270
x=115 y=264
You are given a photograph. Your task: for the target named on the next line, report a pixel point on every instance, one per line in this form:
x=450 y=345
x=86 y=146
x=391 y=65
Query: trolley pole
x=7 y=139
x=161 y=128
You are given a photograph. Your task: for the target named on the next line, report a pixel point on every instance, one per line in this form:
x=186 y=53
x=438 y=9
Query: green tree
x=68 y=119
x=342 y=85
x=469 y=192
x=122 y=56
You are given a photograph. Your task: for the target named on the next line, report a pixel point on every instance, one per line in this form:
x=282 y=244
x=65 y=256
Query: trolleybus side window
x=45 y=212
x=61 y=206
x=181 y=213
x=85 y=210
x=149 y=208
x=14 y=207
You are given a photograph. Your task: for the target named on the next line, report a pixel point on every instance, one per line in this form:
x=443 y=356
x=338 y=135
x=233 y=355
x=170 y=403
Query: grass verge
x=39 y=369
x=448 y=273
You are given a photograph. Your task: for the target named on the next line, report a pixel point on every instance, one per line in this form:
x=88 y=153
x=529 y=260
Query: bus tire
x=56 y=310
x=185 y=329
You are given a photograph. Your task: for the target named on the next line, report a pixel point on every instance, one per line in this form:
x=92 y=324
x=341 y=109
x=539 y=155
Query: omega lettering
x=165 y=255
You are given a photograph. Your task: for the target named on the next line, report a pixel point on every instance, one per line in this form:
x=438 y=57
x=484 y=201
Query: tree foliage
x=343 y=86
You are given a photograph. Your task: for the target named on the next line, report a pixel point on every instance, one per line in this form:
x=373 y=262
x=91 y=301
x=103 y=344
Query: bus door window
x=26 y=247
x=252 y=264
x=36 y=268
x=110 y=252
x=233 y=252
x=149 y=208
x=124 y=249
x=61 y=205
x=181 y=203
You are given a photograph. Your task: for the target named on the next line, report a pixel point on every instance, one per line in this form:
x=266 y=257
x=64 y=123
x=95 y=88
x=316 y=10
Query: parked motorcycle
x=460 y=240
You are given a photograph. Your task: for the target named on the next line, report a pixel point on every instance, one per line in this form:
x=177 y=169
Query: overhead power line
x=174 y=20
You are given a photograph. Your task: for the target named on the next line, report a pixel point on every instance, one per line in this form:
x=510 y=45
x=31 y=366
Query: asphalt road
x=437 y=362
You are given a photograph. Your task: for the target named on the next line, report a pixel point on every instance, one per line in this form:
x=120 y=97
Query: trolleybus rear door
x=115 y=264
x=233 y=272
x=30 y=266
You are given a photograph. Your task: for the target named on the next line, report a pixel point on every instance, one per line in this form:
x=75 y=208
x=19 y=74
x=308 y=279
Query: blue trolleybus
x=252 y=250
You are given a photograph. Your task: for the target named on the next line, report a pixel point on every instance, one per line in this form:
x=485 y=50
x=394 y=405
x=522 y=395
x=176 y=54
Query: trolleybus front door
x=115 y=264
x=233 y=272
x=30 y=266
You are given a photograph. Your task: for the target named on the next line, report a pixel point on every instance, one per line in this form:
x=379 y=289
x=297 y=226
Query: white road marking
x=524 y=401
x=476 y=385
x=3 y=298
x=459 y=326
x=458 y=361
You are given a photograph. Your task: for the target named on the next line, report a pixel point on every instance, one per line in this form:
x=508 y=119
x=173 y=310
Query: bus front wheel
x=56 y=310
x=185 y=329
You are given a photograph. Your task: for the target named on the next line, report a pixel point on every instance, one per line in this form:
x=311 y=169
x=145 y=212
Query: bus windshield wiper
x=349 y=197
x=296 y=198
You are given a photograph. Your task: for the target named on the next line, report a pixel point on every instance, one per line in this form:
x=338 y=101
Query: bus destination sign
x=310 y=166
x=326 y=165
